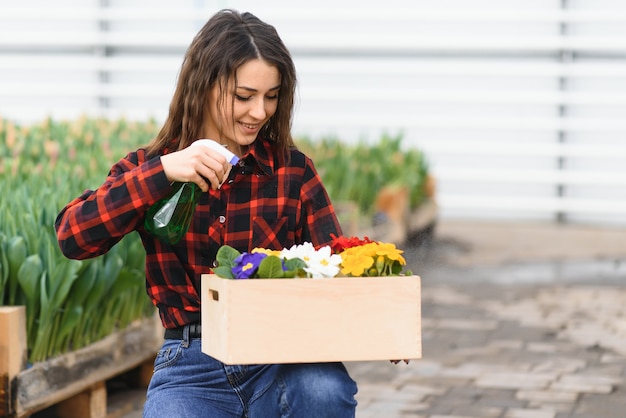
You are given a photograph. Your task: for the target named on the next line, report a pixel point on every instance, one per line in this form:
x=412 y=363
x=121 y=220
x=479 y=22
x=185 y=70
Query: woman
x=236 y=86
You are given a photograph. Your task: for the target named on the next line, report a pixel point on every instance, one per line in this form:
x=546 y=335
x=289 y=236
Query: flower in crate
x=246 y=264
x=342 y=243
x=318 y=263
x=346 y=256
x=372 y=259
x=265 y=251
x=258 y=263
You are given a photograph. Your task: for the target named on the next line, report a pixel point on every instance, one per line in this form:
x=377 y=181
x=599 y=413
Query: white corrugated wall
x=518 y=105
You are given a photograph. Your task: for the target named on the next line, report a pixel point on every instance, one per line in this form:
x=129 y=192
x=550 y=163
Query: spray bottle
x=169 y=218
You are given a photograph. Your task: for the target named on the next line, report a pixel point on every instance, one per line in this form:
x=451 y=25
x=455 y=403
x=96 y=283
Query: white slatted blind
x=519 y=106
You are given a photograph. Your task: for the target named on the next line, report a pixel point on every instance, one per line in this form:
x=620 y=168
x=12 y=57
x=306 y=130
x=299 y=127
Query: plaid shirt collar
x=257 y=159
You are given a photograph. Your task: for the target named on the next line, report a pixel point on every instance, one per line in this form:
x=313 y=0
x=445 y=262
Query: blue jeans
x=190 y=384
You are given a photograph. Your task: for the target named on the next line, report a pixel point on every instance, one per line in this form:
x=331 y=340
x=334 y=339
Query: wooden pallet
x=75 y=382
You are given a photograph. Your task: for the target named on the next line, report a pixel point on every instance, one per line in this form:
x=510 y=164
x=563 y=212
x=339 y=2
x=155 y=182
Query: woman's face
x=245 y=107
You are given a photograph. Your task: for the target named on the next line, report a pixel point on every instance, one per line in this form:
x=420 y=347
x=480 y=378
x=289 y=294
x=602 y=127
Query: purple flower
x=247 y=264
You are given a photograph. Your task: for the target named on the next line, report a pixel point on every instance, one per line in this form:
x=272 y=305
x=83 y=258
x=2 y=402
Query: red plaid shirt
x=264 y=203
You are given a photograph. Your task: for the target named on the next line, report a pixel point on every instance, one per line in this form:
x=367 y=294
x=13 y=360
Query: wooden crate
x=263 y=321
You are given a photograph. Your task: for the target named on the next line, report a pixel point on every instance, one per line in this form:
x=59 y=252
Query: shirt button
x=215 y=263
x=222 y=219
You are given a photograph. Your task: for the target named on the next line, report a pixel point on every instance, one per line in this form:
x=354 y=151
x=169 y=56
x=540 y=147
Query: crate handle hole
x=215 y=295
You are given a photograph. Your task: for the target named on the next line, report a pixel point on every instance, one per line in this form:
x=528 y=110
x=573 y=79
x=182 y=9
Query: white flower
x=302 y=251
x=319 y=263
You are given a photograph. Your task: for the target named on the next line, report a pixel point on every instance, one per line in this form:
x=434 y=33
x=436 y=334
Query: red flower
x=341 y=243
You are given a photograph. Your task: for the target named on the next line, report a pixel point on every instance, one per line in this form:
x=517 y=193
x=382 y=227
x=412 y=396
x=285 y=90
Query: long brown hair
x=228 y=40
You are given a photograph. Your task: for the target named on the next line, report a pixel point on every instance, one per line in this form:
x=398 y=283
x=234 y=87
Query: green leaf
x=28 y=276
x=83 y=284
x=70 y=320
x=4 y=268
x=125 y=282
x=94 y=297
x=295 y=264
x=44 y=298
x=62 y=279
x=271 y=267
x=290 y=274
x=113 y=264
x=226 y=256
x=396 y=268
x=16 y=253
x=224 y=272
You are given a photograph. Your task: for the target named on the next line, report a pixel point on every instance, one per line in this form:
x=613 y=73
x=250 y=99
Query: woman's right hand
x=197 y=165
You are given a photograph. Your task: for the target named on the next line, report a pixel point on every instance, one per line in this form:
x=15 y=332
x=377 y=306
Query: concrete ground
x=519 y=321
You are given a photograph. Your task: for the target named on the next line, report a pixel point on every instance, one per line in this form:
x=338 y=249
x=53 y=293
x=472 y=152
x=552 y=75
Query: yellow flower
x=355 y=263
x=390 y=251
x=266 y=251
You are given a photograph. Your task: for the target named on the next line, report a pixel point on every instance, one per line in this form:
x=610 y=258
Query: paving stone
x=463 y=324
x=382 y=412
x=495 y=366
x=582 y=387
x=477 y=351
x=514 y=330
x=611 y=358
x=389 y=408
x=574 y=415
x=614 y=371
x=515 y=380
x=591 y=379
x=449 y=404
x=450 y=416
x=425 y=368
x=446 y=295
x=530 y=413
x=586 y=384
x=410 y=414
x=605 y=406
x=559 y=365
x=541 y=347
x=462 y=372
x=499 y=398
x=442 y=383
x=467 y=393
x=546 y=395
x=557 y=407
x=438 y=408
x=515 y=344
x=376 y=392
x=421 y=390
x=479 y=411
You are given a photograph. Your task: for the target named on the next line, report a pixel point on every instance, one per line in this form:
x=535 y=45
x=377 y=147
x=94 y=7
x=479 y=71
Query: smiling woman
x=236 y=87
x=253 y=92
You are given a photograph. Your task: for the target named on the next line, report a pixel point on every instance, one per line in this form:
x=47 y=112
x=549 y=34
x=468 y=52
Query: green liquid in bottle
x=169 y=218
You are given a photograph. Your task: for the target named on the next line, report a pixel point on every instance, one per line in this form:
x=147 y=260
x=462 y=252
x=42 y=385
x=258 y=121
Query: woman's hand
x=198 y=165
